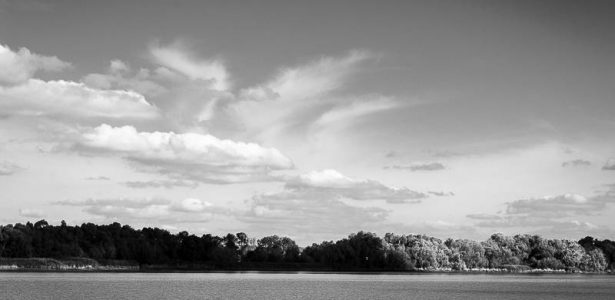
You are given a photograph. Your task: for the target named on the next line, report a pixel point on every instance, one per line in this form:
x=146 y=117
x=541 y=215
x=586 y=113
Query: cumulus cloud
x=190 y=156
x=576 y=163
x=178 y=58
x=188 y=210
x=31 y=213
x=8 y=168
x=431 y=166
x=609 y=165
x=17 y=67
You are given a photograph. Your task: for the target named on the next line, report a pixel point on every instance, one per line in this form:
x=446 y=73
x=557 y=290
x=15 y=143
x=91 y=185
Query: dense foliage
x=360 y=251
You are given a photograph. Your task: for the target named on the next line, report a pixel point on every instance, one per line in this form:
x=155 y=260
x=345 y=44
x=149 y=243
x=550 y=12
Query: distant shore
x=91 y=265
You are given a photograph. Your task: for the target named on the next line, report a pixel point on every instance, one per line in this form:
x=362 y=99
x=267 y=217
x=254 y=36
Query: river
x=256 y=285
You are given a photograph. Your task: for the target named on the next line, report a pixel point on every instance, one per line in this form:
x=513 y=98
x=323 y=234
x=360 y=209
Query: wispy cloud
x=177 y=57
x=305 y=96
x=430 y=166
x=167 y=184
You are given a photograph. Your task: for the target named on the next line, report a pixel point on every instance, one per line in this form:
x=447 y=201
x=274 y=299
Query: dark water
x=302 y=286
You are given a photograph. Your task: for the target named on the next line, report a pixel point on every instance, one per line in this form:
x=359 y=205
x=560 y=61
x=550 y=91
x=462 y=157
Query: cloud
x=321 y=204
x=331 y=182
x=344 y=114
x=189 y=156
x=441 y=194
x=609 y=165
x=432 y=166
x=188 y=210
x=167 y=184
x=118 y=77
x=66 y=98
x=178 y=58
x=559 y=214
x=576 y=163
x=31 y=213
x=98 y=178
x=311 y=80
x=8 y=168
x=194 y=100
x=308 y=213
x=296 y=98
x=559 y=205
x=18 y=67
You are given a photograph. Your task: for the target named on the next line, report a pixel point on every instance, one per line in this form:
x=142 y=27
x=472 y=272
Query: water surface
x=255 y=285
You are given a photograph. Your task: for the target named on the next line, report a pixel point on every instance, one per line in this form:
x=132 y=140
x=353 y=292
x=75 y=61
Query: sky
x=311 y=119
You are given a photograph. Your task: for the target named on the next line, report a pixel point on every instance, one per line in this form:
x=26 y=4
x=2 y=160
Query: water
x=254 y=285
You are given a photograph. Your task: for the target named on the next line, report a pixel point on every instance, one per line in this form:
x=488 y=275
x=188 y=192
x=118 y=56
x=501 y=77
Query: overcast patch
x=609 y=165
x=8 y=168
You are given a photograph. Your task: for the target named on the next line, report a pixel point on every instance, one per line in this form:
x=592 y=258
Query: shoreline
x=87 y=265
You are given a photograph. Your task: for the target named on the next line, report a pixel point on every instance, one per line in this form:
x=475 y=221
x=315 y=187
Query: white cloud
x=31 y=213
x=311 y=80
x=297 y=98
x=342 y=115
x=189 y=210
x=66 y=98
x=336 y=184
x=177 y=58
x=190 y=156
x=18 y=67
x=429 y=166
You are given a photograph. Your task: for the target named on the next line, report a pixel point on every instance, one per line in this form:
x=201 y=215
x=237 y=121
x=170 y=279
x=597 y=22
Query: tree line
x=359 y=251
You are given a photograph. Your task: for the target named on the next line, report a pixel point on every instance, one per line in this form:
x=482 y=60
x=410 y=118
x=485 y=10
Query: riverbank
x=91 y=265
x=69 y=264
